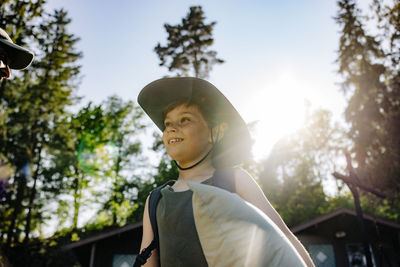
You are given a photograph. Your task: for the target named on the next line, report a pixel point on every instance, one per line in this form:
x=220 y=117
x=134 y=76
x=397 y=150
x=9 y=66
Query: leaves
x=298 y=167
x=368 y=63
x=35 y=102
x=187 y=46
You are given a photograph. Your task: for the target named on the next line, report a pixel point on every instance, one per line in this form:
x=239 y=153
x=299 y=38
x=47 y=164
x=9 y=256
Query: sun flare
x=279 y=107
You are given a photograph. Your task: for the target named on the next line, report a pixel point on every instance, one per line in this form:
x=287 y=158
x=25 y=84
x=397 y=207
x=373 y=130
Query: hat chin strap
x=203 y=158
x=194 y=165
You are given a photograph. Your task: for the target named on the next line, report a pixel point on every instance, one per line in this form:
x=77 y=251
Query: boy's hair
x=160 y=96
x=230 y=150
x=209 y=114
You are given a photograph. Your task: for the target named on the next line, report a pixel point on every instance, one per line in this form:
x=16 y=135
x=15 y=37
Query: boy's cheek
x=164 y=143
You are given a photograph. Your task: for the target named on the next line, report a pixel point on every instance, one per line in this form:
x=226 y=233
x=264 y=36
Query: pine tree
x=187 y=52
x=369 y=65
x=187 y=47
x=36 y=101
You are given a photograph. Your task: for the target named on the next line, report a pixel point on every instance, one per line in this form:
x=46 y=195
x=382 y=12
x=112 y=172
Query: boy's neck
x=197 y=174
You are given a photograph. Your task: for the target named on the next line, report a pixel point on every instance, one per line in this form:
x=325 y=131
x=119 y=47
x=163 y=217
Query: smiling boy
x=207 y=139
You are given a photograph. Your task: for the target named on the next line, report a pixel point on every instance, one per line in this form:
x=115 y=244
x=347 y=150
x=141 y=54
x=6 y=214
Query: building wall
x=385 y=247
x=126 y=243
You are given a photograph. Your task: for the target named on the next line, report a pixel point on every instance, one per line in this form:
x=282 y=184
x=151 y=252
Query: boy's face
x=187 y=135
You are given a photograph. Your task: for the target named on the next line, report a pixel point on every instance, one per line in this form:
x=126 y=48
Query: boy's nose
x=172 y=127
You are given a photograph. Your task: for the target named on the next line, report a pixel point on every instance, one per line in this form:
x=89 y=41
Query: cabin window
x=322 y=255
x=356 y=255
x=123 y=260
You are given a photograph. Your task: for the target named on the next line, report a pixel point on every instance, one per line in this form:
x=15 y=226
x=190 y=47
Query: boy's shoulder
x=241 y=174
x=231 y=178
x=243 y=180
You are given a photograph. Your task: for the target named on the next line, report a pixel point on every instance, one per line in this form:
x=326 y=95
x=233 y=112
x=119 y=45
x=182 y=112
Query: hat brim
x=157 y=96
x=20 y=58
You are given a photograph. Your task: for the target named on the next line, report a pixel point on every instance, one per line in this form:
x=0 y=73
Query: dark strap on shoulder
x=154 y=198
x=145 y=254
x=224 y=179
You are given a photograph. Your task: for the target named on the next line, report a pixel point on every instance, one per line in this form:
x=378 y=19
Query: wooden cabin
x=333 y=240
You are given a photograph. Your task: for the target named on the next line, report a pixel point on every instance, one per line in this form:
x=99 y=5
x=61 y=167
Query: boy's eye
x=185 y=119
x=167 y=124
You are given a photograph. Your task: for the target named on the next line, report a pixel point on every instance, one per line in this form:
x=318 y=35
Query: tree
x=187 y=51
x=187 y=46
x=96 y=158
x=299 y=165
x=123 y=120
x=16 y=18
x=166 y=170
x=369 y=64
x=75 y=165
x=35 y=101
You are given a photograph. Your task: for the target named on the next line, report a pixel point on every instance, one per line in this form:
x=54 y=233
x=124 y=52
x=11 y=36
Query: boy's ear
x=218 y=132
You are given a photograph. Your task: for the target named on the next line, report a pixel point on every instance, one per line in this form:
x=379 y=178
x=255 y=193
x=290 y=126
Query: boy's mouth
x=174 y=140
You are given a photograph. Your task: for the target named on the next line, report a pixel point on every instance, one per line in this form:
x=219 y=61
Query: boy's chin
x=175 y=154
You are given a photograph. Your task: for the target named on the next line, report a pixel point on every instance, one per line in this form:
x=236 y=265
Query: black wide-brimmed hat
x=19 y=57
x=158 y=96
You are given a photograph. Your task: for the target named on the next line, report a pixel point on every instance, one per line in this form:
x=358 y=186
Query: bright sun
x=278 y=106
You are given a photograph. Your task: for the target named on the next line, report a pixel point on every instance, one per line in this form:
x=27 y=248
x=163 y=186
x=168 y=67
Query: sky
x=279 y=55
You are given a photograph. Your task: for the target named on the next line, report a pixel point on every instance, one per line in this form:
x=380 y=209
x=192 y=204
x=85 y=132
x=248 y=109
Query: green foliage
x=75 y=167
x=42 y=252
x=61 y=163
x=368 y=63
x=187 y=50
x=94 y=161
x=166 y=170
x=123 y=122
x=187 y=46
x=298 y=165
x=35 y=103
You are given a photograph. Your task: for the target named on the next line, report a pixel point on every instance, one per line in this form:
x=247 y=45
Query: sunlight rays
x=279 y=106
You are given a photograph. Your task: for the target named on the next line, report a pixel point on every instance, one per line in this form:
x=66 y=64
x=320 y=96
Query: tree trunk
x=17 y=205
x=196 y=66
x=31 y=200
x=117 y=170
x=77 y=197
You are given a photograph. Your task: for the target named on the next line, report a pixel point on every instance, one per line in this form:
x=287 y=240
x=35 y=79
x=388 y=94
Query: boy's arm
x=249 y=190
x=147 y=237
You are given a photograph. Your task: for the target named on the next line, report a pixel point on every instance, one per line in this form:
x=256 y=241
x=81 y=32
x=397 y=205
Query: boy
x=205 y=136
